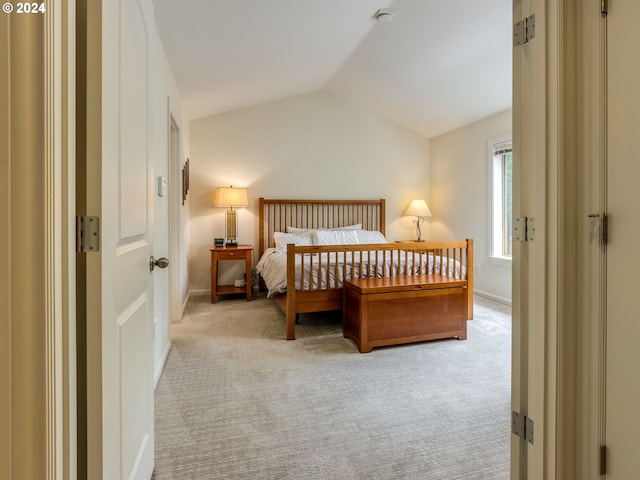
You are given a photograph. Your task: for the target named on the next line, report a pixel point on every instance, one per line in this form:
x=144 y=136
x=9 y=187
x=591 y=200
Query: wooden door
x=120 y=349
x=623 y=259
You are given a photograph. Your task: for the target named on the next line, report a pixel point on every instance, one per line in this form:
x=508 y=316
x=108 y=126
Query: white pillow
x=298 y=230
x=283 y=239
x=355 y=226
x=334 y=237
x=370 y=236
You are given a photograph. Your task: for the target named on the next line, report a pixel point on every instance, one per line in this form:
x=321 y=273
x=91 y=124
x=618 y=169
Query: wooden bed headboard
x=277 y=215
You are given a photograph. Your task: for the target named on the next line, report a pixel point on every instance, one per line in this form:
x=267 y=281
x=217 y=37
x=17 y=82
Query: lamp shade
x=418 y=208
x=231 y=197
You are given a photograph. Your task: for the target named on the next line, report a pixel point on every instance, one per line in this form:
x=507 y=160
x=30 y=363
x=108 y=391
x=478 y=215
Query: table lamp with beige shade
x=231 y=197
x=420 y=210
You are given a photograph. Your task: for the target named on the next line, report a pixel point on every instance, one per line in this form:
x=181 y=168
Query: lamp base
x=231 y=233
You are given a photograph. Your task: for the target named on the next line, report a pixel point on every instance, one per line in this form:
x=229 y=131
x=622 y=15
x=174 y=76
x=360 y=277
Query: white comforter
x=273 y=268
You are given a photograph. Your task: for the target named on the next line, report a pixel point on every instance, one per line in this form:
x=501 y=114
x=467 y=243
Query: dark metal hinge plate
x=87 y=234
x=522 y=426
x=524 y=31
x=524 y=229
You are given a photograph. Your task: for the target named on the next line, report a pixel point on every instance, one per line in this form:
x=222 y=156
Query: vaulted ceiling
x=437 y=65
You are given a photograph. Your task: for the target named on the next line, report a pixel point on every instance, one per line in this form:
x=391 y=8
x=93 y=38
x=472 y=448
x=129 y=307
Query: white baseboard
x=199 y=291
x=163 y=362
x=491 y=296
x=190 y=293
x=184 y=304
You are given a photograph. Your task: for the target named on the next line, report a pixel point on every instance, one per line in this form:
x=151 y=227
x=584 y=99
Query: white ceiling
x=438 y=65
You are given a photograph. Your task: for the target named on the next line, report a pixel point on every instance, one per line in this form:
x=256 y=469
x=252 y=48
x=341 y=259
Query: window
x=502 y=197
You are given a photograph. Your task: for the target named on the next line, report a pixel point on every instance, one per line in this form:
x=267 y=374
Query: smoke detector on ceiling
x=383 y=15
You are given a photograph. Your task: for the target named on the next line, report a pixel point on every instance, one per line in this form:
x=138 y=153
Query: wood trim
x=52 y=297
x=546 y=272
x=290 y=311
x=59 y=225
x=96 y=25
x=419 y=283
x=536 y=117
x=35 y=436
x=588 y=346
x=174 y=149
x=262 y=244
x=30 y=455
x=6 y=207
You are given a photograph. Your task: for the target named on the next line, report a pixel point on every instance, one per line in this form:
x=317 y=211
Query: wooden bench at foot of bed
x=405 y=309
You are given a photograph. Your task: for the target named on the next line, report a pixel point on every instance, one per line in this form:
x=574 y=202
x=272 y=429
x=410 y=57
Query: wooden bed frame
x=275 y=215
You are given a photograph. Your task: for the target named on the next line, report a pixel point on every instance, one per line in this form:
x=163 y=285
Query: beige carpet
x=237 y=401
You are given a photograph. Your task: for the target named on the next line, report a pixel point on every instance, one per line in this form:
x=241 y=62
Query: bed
x=303 y=266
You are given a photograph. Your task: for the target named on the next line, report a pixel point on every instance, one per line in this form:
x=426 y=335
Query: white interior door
x=120 y=346
x=623 y=260
x=531 y=156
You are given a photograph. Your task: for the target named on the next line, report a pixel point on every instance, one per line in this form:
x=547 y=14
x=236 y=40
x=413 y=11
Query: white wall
x=309 y=146
x=460 y=197
x=164 y=95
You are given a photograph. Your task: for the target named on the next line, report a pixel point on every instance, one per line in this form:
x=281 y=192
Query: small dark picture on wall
x=185 y=181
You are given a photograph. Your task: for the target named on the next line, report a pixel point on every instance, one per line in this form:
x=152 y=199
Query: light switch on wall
x=162 y=186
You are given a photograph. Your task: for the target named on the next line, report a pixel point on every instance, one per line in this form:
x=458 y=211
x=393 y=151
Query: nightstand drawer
x=231 y=254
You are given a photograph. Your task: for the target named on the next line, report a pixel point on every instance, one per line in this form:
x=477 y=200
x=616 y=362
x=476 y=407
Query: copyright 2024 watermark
x=20 y=7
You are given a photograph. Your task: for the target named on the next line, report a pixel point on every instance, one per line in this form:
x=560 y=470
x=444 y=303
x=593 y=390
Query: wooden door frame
x=589 y=333
x=565 y=378
x=61 y=68
x=90 y=66
x=558 y=125
x=39 y=129
x=536 y=154
x=581 y=320
x=174 y=149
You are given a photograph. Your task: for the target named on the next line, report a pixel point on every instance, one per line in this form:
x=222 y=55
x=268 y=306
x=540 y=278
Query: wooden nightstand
x=241 y=252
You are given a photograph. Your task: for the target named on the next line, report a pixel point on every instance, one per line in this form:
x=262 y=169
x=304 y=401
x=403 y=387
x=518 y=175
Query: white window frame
x=496 y=213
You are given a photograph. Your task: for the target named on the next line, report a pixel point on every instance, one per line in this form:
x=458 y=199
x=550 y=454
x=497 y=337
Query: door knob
x=162 y=262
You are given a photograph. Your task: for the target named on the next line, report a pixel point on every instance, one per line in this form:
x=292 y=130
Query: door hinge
x=524 y=30
x=522 y=426
x=87 y=234
x=604 y=7
x=524 y=229
x=604 y=226
x=602 y=460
